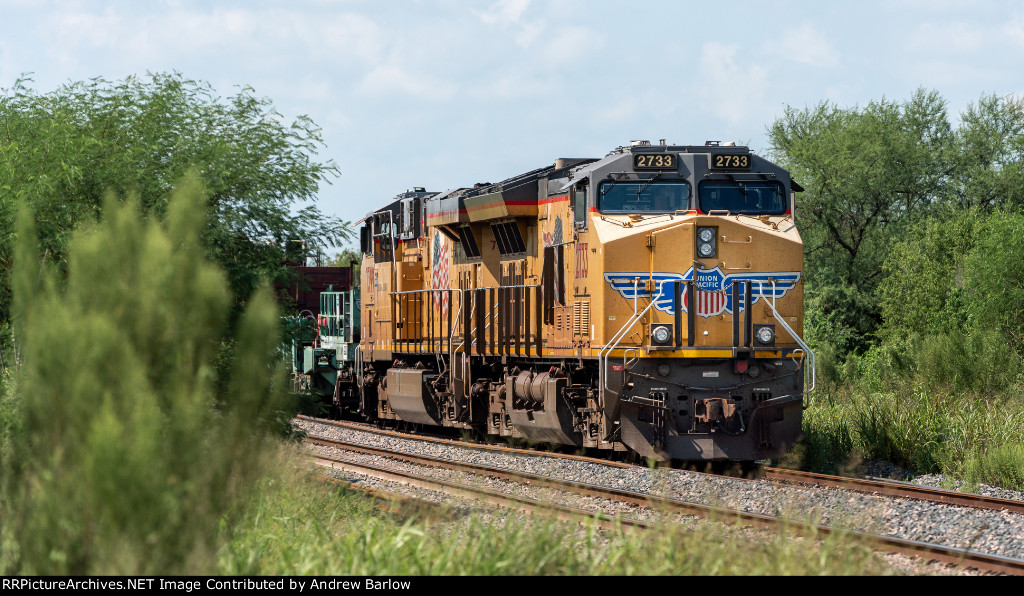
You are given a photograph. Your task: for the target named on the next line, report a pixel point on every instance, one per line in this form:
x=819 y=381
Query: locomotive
x=647 y=302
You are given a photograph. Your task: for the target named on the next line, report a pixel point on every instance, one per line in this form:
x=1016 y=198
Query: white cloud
x=529 y=33
x=729 y=90
x=508 y=14
x=949 y=38
x=807 y=45
x=1014 y=31
x=390 y=78
x=571 y=44
x=253 y=36
x=503 y=12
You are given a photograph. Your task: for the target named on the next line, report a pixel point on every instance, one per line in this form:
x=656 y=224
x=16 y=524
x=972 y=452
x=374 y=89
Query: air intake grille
x=581 y=318
x=508 y=237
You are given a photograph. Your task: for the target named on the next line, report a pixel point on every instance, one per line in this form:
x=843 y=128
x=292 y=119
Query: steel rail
x=948 y=555
x=475 y=493
x=873 y=486
x=879 y=487
x=369 y=428
x=897 y=489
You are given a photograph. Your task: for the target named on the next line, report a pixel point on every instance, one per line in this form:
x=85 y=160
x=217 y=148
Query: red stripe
x=448 y=213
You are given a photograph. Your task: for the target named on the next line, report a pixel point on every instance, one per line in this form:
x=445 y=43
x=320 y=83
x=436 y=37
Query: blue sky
x=446 y=93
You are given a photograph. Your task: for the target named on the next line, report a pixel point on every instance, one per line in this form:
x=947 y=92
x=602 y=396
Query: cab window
x=747 y=197
x=643 y=196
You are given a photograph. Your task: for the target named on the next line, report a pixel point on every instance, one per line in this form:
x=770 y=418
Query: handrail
x=359 y=366
x=465 y=361
x=490 y=315
x=453 y=349
x=800 y=342
x=451 y=339
x=602 y=355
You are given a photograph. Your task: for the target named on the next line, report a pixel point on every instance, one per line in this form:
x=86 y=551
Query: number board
x=655 y=161
x=730 y=161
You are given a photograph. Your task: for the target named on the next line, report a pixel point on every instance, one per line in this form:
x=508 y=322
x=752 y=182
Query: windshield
x=748 y=197
x=643 y=196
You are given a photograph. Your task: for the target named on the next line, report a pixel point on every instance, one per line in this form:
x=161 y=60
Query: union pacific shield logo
x=713 y=292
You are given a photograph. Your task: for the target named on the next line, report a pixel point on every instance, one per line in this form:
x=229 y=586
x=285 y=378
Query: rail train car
x=323 y=352
x=650 y=301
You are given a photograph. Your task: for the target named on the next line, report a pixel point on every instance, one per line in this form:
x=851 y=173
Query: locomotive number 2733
x=656 y=161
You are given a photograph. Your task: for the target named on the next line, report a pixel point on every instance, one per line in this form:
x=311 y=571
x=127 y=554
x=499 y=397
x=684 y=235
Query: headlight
x=661 y=334
x=705 y=242
x=765 y=334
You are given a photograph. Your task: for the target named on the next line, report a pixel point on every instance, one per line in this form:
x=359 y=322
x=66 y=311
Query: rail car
x=326 y=336
x=650 y=301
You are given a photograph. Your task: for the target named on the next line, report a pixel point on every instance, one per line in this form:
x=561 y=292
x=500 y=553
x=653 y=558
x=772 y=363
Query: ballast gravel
x=992 y=532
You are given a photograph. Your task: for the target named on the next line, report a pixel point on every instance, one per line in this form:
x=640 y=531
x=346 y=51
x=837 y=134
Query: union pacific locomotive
x=650 y=301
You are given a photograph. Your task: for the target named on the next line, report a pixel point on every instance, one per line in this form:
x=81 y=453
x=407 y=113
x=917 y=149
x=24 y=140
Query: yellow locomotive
x=648 y=301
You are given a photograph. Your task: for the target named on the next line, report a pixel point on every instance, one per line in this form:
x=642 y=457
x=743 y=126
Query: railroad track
x=923 y=550
x=901 y=490
x=877 y=487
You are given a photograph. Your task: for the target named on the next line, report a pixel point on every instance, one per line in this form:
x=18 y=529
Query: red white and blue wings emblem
x=713 y=289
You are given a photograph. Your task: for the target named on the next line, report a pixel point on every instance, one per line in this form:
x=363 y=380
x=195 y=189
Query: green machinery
x=323 y=361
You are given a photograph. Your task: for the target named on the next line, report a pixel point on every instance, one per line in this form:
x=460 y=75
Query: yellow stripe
x=596 y=352
x=638 y=352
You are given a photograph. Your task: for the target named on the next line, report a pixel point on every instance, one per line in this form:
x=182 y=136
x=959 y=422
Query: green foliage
x=919 y=429
x=347 y=258
x=962 y=275
x=891 y=209
x=868 y=174
x=10 y=415
x=909 y=432
x=840 y=314
x=828 y=437
x=61 y=151
x=994 y=278
x=127 y=459
x=922 y=289
x=975 y=363
x=915 y=277
x=1002 y=465
x=989 y=165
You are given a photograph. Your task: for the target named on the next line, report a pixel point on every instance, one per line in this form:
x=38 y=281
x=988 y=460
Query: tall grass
x=123 y=458
x=300 y=526
x=1002 y=465
x=829 y=438
x=950 y=404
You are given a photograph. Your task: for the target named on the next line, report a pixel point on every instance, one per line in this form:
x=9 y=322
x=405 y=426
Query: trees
x=875 y=177
x=989 y=163
x=61 y=151
x=909 y=225
x=346 y=258
x=922 y=290
x=868 y=174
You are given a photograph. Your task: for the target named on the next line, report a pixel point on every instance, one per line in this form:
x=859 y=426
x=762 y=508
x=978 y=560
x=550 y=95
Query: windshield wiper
x=738 y=184
x=646 y=186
